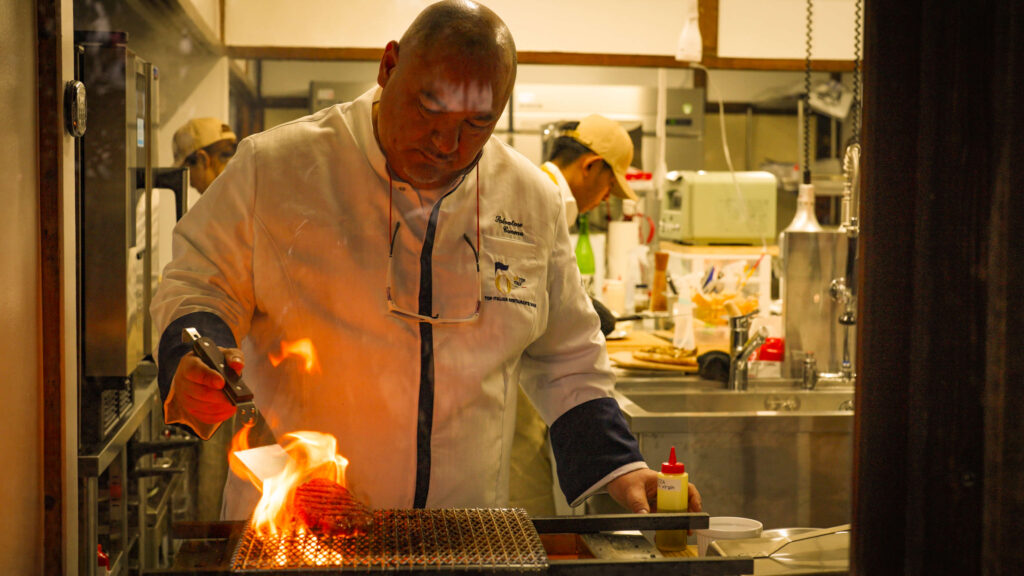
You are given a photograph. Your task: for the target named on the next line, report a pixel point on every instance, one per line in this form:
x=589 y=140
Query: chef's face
x=437 y=110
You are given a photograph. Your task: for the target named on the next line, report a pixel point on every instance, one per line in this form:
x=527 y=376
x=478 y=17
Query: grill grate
x=404 y=540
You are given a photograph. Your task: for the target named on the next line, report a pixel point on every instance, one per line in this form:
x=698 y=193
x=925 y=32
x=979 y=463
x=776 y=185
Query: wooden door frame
x=50 y=154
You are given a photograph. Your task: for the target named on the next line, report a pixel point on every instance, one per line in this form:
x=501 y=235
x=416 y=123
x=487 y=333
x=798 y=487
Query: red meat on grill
x=329 y=509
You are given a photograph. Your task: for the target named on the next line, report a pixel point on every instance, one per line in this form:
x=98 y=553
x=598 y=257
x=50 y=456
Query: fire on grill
x=307 y=518
x=308 y=521
x=307 y=493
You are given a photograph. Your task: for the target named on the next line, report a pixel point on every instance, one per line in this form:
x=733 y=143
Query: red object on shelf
x=102 y=558
x=773 y=350
x=639 y=176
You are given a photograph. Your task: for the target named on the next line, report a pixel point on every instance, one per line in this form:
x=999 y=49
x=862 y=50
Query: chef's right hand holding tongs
x=197 y=397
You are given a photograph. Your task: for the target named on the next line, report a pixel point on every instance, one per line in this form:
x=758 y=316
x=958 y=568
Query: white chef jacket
x=571 y=209
x=292 y=242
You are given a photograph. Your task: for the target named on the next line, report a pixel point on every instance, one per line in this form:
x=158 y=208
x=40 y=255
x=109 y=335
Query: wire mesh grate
x=404 y=540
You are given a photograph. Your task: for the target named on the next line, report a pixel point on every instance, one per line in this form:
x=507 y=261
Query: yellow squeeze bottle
x=673 y=489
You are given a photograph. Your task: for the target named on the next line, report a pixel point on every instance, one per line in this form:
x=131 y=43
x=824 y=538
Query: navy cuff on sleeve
x=172 y=349
x=590 y=441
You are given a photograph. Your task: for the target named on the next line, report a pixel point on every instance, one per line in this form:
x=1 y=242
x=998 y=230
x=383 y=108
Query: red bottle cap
x=672 y=467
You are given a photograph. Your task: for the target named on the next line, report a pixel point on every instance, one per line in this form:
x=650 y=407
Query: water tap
x=741 y=346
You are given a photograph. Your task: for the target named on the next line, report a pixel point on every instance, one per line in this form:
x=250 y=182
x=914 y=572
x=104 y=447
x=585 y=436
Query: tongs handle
x=786 y=541
x=208 y=351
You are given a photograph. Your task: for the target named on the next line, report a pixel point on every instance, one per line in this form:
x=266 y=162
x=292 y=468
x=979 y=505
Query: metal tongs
x=234 y=388
x=786 y=540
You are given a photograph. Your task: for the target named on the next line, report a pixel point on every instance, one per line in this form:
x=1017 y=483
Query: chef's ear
x=202 y=158
x=388 y=62
x=592 y=163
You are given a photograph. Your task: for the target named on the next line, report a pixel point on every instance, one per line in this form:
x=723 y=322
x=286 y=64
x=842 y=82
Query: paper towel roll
x=623 y=237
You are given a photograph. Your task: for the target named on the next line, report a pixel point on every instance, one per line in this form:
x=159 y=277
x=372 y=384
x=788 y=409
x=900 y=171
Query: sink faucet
x=811 y=377
x=741 y=346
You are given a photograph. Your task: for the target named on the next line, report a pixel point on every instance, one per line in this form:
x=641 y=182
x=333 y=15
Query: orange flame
x=240 y=442
x=311 y=455
x=303 y=349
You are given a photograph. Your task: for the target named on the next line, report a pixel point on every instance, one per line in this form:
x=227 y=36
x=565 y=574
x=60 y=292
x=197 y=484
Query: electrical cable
x=807 y=93
x=725 y=148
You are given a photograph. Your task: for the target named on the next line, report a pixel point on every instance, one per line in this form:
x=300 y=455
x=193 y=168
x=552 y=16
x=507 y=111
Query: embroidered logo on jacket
x=505 y=281
x=510 y=228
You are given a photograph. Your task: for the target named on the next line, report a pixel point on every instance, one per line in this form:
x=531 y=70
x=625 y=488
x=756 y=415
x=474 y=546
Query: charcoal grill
x=473 y=540
x=438 y=541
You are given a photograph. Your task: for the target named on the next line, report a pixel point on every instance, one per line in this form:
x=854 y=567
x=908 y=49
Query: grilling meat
x=328 y=509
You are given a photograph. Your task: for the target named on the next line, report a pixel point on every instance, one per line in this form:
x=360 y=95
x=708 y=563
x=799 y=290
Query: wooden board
x=636 y=340
x=624 y=359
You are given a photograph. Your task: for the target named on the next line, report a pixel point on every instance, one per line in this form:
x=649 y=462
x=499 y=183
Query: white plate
x=617 y=335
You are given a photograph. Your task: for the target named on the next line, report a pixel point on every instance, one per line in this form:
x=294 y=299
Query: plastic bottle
x=673 y=490
x=585 y=253
x=766 y=362
x=682 y=334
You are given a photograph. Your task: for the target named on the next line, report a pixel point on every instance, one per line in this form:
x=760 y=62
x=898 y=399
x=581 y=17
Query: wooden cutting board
x=624 y=359
x=636 y=340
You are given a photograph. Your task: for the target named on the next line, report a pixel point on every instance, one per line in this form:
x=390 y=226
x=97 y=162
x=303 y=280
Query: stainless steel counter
x=775 y=453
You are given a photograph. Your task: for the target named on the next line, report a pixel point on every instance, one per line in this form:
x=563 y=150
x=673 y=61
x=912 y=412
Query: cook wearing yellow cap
x=204 y=145
x=589 y=162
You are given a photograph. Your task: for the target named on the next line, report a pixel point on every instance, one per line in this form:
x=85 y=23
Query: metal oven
x=134 y=477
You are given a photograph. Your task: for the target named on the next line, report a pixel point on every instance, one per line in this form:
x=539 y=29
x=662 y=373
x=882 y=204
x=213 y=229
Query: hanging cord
x=744 y=215
x=857 y=46
x=807 y=93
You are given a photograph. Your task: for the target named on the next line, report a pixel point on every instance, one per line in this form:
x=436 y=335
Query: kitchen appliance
x=701 y=207
x=111 y=297
x=134 y=478
x=537 y=111
x=810 y=262
x=420 y=541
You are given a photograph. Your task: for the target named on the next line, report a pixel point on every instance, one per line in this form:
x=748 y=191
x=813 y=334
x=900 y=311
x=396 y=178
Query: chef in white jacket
x=430 y=266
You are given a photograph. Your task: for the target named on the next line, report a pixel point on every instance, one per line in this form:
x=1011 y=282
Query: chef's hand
x=196 y=397
x=637 y=491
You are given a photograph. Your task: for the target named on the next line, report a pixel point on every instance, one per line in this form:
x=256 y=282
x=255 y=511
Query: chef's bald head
x=444 y=86
x=464 y=29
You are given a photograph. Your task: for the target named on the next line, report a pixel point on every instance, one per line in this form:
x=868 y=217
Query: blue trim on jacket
x=172 y=349
x=590 y=441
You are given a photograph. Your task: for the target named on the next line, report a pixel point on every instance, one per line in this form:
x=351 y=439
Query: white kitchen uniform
x=292 y=242
x=571 y=209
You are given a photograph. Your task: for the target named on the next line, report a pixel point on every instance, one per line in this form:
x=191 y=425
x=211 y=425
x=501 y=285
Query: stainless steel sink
x=660 y=397
x=775 y=452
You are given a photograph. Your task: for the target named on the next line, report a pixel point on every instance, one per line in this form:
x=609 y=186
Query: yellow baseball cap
x=609 y=140
x=198 y=133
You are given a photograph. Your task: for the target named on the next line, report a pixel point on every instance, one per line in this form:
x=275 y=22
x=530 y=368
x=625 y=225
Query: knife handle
x=234 y=388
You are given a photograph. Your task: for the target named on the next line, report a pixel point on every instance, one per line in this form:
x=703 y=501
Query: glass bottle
x=585 y=254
